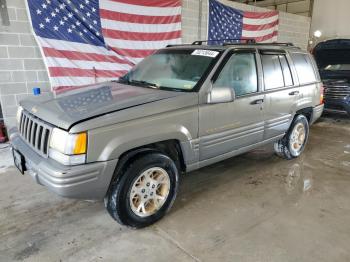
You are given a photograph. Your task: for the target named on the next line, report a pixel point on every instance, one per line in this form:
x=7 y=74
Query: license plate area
x=19 y=161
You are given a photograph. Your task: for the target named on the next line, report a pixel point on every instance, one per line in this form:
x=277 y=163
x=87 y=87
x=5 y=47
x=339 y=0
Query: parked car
x=182 y=108
x=333 y=61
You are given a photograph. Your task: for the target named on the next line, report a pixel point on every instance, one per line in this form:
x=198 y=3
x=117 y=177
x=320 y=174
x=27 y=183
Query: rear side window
x=304 y=68
x=273 y=76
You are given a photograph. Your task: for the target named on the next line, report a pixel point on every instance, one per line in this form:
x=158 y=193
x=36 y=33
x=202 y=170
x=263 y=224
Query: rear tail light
x=322 y=94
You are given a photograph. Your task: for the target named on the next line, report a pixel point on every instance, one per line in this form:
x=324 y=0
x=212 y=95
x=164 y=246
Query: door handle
x=294 y=93
x=257 y=102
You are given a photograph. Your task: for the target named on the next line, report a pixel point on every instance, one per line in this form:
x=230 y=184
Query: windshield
x=338 y=67
x=178 y=70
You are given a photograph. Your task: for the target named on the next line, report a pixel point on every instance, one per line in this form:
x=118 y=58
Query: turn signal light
x=80 y=144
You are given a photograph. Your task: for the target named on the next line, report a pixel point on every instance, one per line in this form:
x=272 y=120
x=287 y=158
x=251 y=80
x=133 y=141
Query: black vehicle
x=333 y=61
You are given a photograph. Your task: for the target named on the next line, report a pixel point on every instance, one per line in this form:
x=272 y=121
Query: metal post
x=200 y=8
x=3 y=13
x=311 y=7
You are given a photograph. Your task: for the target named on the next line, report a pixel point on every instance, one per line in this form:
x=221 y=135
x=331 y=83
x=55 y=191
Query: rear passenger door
x=280 y=92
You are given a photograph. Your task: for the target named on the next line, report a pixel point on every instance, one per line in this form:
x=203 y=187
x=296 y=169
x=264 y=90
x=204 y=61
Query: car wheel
x=293 y=143
x=144 y=192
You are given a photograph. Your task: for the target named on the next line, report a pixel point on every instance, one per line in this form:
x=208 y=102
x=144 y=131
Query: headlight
x=19 y=113
x=68 y=149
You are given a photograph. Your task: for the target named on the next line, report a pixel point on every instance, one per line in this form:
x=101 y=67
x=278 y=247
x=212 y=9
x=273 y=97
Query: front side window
x=240 y=74
x=304 y=68
x=178 y=70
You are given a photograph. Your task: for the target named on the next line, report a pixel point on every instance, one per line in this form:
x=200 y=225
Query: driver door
x=229 y=126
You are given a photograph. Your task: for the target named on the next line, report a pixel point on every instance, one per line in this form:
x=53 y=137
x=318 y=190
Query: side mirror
x=221 y=95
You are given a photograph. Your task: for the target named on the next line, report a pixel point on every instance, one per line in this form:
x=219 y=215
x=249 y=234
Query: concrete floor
x=255 y=207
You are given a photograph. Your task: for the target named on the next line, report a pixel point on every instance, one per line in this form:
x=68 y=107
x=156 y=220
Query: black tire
x=117 y=200
x=283 y=146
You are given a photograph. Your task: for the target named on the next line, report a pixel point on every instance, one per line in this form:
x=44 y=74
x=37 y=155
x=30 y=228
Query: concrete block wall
x=22 y=66
x=21 y=63
x=292 y=28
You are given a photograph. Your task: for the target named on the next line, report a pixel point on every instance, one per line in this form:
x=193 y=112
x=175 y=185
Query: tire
x=290 y=148
x=125 y=206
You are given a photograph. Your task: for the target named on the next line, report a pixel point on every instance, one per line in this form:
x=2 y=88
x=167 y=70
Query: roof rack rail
x=171 y=45
x=226 y=42
x=275 y=43
x=247 y=41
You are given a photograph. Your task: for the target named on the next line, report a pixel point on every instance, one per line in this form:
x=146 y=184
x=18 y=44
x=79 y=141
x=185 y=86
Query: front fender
x=109 y=142
x=137 y=138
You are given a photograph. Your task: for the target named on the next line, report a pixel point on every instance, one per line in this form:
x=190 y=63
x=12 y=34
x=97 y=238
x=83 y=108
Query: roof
x=230 y=45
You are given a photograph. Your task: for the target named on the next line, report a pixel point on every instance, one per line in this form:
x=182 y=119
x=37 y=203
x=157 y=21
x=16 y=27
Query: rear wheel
x=145 y=191
x=293 y=143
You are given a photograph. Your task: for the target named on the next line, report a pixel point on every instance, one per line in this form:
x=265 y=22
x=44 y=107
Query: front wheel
x=293 y=143
x=145 y=191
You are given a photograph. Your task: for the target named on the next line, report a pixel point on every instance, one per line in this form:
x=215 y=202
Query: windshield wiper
x=143 y=83
x=147 y=84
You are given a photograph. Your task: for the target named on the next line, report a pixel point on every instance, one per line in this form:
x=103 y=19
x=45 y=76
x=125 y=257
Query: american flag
x=229 y=23
x=89 y=41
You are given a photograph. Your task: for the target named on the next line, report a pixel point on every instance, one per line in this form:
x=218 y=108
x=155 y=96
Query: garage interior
x=252 y=207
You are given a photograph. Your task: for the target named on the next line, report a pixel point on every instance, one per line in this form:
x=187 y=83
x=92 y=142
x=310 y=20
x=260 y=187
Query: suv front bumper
x=87 y=181
x=342 y=104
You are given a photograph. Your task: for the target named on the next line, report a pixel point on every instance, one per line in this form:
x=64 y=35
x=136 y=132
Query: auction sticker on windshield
x=202 y=52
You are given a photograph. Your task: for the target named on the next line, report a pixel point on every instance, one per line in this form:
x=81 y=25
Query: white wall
x=331 y=18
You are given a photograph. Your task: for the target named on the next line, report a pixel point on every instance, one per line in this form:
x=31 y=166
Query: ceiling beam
x=269 y=2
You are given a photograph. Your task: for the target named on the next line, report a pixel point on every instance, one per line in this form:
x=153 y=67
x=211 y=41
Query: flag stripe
x=65 y=62
x=136 y=36
x=140 y=10
x=259 y=15
x=66 y=71
x=258 y=33
x=141 y=19
x=252 y=21
x=74 y=55
x=133 y=53
x=141 y=45
x=248 y=27
x=77 y=47
x=266 y=37
x=70 y=81
x=89 y=49
x=146 y=28
x=152 y=3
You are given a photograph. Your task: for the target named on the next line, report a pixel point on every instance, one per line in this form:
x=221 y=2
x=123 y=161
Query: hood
x=330 y=76
x=93 y=101
x=333 y=52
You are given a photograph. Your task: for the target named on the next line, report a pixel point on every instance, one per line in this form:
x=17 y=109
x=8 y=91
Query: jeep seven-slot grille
x=35 y=132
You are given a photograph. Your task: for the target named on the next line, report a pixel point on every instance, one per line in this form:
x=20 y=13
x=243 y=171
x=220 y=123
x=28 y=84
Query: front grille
x=35 y=132
x=337 y=90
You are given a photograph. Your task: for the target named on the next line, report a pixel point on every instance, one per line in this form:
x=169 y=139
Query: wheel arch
x=171 y=147
x=307 y=112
